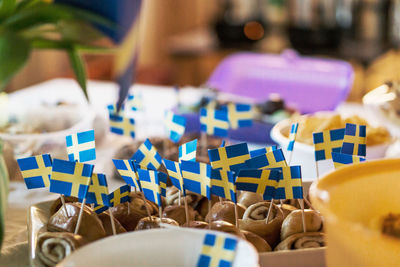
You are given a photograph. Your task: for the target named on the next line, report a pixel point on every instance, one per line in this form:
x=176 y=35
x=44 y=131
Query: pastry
x=260 y=244
x=202 y=206
x=57 y=204
x=301 y=241
x=106 y=221
x=254 y=221
x=196 y=224
x=294 y=224
x=91 y=227
x=178 y=214
x=287 y=209
x=249 y=198
x=51 y=248
x=146 y=223
x=172 y=197
x=129 y=217
x=225 y=211
x=226 y=228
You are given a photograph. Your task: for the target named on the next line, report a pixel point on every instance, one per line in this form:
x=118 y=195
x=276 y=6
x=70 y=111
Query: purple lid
x=307 y=83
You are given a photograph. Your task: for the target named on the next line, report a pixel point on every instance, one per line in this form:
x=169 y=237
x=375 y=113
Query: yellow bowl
x=352 y=200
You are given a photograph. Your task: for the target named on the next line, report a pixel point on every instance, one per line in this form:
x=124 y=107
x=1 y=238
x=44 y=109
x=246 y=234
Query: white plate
x=154 y=248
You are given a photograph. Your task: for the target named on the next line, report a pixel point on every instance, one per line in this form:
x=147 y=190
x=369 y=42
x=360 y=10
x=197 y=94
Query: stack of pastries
x=283 y=231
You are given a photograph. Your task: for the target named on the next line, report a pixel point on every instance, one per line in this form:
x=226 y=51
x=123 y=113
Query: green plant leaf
x=41 y=43
x=27 y=3
x=14 y=52
x=79 y=69
x=7 y=7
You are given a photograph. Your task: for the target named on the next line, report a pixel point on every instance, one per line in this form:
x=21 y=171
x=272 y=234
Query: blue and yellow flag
x=272 y=159
x=327 y=142
x=36 y=170
x=119 y=196
x=262 y=151
x=355 y=140
x=196 y=177
x=340 y=159
x=262 y=182
x=134 y=101
x=122 y=125
x=147 y=156
x=239 y=115
x=214 y=122
x=188 y=150
x=292 y=136
x=223 y=184
x=174 y=172
x=128 y=172
x=98 y=190
x=99 y=208
x=290 y=184
x=112 y=109
x=229 y=158
x=175 y=126
x=81 y=146
x=70 y=178
x=217 y=251
x=150 y=183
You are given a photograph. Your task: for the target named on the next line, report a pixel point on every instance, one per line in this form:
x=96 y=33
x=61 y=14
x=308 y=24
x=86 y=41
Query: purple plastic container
x=306 y=83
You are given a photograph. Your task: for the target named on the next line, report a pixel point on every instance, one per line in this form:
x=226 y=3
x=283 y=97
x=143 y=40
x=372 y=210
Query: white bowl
x=303 y=154
x=157 y=247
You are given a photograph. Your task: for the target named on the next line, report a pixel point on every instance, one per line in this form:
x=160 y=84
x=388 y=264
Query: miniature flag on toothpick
x=262 y=151
x=188 y=150
x=121 y=125
x=174 y=172
x=217 y=250
x=112 y=109
x=327 y=142
x=355 y=139
x=70 y=178
x=239 y=115
x=36 y=171
x=292 y=140
x=196 y=177
x=175 y=126
x=100 y=208
x=214 y=122
x=340 y=159
x=150 y=183
x=127 y=171
x=134 y=101
x=262 y=182
x=223 y=184
x=147 y=156
x=98 y=190
x=271 y=159
x=121 y=195
x=81 y=146
x=229 y=158
x=290 y=185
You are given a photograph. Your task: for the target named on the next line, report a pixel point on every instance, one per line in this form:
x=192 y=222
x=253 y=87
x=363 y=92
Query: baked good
x=293 y=223
x=147 y=223
x=225 y=227
x=225 y=211
x=260 y=244
x=178 y=214
x=105 y=218
x=302 y=241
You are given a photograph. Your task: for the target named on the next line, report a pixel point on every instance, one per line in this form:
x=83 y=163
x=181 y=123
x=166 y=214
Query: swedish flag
x=121 y=125
x=188 y=150
x=174 y=172
x=99 y=208
x=214 y=122
x=119 y=196
x=98 y=190
x=223 y=184
x=271 y=159
x=239 y=115
x=147 y=156
x=327 y=142
x=217 y=250
x=196 y=177
x=81 y=146
x=112 y=109
x=262 y=182
x=70 y=178
x=36 y=170
x=262 y=151
x=229 y=158
x=292 y=136
x=340 y=159
x=134 y=101
x=355 y=139
x=150 y=183
x=289 y=184
x=128 y=172
x=162 y=181
x=175 y=126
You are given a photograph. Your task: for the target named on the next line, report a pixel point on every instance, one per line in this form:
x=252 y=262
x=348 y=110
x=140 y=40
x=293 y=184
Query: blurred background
x=183 y=41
